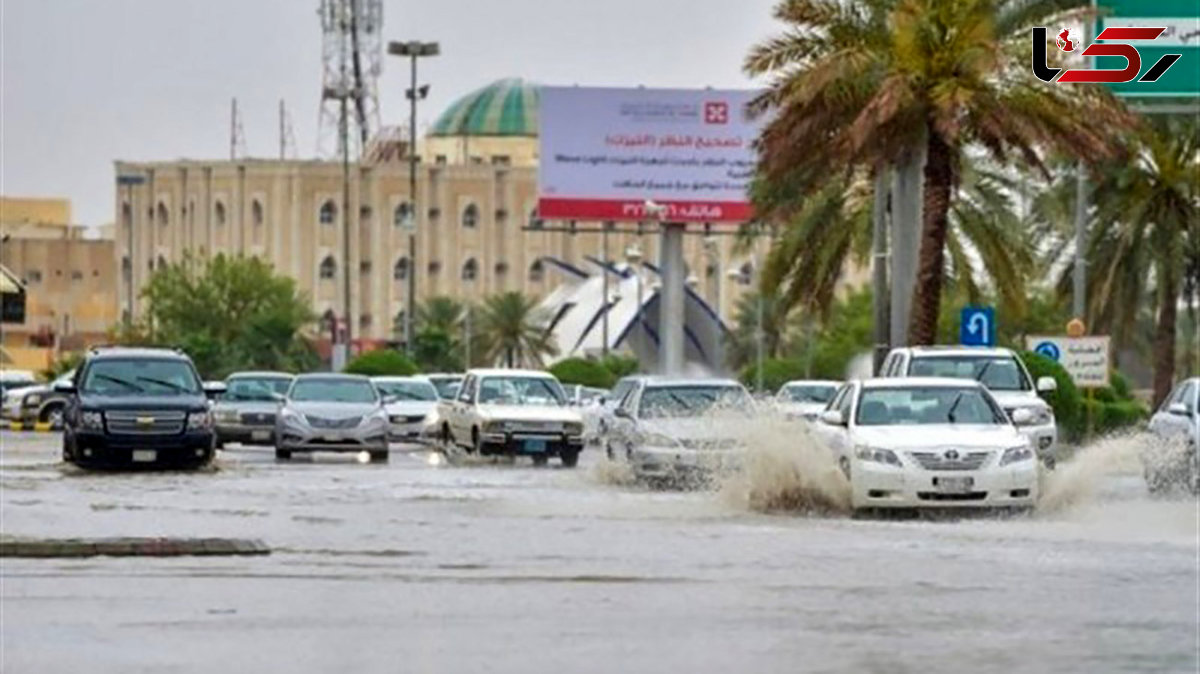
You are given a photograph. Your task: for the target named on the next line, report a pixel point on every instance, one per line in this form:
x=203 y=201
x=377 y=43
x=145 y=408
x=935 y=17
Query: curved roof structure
x=507 y=107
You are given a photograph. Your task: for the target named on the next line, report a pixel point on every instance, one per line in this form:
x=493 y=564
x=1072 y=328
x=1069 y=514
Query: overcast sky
x=87 y=82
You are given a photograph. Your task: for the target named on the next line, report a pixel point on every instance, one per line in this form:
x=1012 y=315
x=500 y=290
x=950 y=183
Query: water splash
x=1076 y=481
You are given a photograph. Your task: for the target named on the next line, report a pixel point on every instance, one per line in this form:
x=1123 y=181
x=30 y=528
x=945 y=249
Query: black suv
x=137 y=406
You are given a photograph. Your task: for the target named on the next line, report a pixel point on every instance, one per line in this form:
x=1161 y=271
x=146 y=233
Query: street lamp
x=746 y=278
x=414 y=50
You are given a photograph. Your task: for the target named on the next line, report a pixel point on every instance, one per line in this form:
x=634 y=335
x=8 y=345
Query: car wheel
x=569 y=458
x=67 y=455
x=282 y=454
x=476 y=442
x=379 y=456
x=52 y=415
x=219 y=444
x=540 y=459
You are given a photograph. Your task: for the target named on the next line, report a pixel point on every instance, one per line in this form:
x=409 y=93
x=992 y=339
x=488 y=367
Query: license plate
x=954 y=485
x=331 y=437
x=535 y=446
x=145 y=455
x=260 y=435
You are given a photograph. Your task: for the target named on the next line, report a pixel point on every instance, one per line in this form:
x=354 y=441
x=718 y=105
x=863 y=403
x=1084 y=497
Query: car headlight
x=199 y=420
x=379 y=419
x=92 y=420
x=1016 y=454
x=287 y=414
x=226 y=416
x=494 y=427
x=573 y=428
x=396 y=419
x=1039 y=416
x=659 y=440
x=32 y=399
x=876 y=455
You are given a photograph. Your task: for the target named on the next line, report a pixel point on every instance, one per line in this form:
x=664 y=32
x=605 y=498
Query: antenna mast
x=351 y=54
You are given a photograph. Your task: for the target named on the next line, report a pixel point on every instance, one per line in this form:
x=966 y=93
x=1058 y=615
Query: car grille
x=939 y=460
x=724 y=444
x=145 y=422
x=413 y=418
x=322 y=422
x=258 y=419
x=534 y=426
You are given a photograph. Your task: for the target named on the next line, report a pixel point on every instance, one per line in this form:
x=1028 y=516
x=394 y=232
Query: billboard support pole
x=671 y=318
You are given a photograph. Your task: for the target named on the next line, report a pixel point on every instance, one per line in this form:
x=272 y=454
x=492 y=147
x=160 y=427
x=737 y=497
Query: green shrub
x=584 y=372
x=382 y=362
x=1111 y=408
x=776 y=373
x=620 y=366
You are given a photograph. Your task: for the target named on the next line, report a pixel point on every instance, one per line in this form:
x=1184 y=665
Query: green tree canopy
x=382 y=363
x=511 y=331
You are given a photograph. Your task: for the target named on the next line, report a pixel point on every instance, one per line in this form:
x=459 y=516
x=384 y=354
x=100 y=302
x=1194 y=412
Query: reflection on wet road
x=424 y=565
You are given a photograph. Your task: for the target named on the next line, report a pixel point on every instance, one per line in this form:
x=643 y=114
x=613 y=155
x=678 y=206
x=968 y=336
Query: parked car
x=1176 y=427
x=805 y=398
x=39 y=404
x=13 y=379
x=1001 y=371
x=446 y=384
x=605 y=415
x=922 y=442
x=411 y=414
x=137 y=406
x=580 y=395
x=513 y=412
x=245 y=412
x=332 y=413
x=670 y=430
x=590 y=403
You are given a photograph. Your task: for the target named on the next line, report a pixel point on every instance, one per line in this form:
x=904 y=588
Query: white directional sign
x=1086 y=359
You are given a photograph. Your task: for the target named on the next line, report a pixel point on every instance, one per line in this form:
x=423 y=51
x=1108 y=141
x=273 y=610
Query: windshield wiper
x=117 y=380
x=983 y=370
x=163 y=382
x=954 y=406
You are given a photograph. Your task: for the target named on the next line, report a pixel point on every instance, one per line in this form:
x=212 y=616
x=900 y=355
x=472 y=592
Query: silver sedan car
x=245 y=413
x=332 y=413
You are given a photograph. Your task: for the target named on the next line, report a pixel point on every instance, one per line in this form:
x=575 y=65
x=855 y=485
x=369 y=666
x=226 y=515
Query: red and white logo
x=1066 y=40
x=716 y=112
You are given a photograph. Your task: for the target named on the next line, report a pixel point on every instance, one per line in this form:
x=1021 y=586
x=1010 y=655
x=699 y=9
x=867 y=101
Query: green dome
x=507 y=107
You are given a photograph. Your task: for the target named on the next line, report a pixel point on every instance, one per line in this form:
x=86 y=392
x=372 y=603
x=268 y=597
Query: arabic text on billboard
x=605 y=152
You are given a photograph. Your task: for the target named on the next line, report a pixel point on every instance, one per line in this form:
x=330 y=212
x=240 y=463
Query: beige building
x=476 y=225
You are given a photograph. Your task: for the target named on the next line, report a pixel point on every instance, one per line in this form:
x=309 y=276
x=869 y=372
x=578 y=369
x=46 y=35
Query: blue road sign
x=1048 y=349
x=977 y=326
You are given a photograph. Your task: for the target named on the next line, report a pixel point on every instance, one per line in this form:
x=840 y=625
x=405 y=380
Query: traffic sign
x=1086 y=359
x=1181 y=18
x=977 y=326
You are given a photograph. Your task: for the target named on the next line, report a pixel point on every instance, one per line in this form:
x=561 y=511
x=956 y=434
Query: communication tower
x=351 y=55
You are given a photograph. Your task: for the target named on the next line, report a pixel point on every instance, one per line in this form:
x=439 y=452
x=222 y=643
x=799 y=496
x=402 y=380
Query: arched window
x=470 y=216
x=164 y=216
x=328 y=213
x=537 y=272
x=328 y=268
x=256 y=213
x=501 y=269
x=434 y=268
x=402 y=216
x=328 y=321
x=219 y=213
x=470 y=270
x=400 y=270
x=162 y=263
x=126 y=268
x=534 y=221
x=126 y=214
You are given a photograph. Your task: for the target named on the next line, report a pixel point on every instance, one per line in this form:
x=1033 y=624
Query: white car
x=672 y=430
x=930 y=442
x=1001 y=371
x=411 y=407
x=1176 y=427
x=511 y=413
x=805 y=398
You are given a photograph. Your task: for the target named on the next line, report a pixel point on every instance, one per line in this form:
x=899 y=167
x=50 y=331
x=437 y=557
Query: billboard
x=605 y=151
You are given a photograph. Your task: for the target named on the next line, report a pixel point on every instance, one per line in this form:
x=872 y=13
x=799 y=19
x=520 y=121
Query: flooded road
x=424 y=566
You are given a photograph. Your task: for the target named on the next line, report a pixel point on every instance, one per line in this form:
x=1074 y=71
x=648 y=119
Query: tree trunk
x=1164 y=334
x=927 y=293
x=508 y=357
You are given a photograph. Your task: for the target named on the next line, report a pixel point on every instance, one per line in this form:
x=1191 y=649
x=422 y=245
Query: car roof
x=113 y=352
x=396 y=379
x=332 y=375
x=501 y=372
x=948 y=350
x=261 y=373
x=928 y=382
x=812 y=382
x=16 y=375
x=662 y=382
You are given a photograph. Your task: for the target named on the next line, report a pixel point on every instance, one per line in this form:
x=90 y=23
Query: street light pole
x=414 y=50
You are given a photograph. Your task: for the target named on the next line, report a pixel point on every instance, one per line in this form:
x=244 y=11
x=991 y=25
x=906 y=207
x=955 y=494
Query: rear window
x=998 y=373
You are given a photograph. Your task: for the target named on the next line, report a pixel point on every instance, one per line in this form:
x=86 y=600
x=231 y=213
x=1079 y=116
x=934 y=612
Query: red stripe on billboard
x=558 y=208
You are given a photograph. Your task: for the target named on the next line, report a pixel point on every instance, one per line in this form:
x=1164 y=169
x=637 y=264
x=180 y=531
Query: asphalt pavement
x=424 y=565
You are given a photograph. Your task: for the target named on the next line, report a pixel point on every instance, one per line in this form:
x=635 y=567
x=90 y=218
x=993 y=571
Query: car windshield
x=589 y=395
x=520 y=391
x=447 y=387
x=998 y=373
x=333 y=390
x=408 y=389
x=808 y=393
x=927 y=405
x=140 y=376
x=691 y=401
x=257 y=389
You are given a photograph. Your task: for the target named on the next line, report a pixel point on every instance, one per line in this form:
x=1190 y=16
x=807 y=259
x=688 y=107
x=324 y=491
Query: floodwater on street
x=424 y=565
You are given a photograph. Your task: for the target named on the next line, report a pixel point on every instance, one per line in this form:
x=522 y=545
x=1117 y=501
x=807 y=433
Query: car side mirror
x=1022 y=417
x=622 y=412
x=1046 y=384
x=833 y=418
x=64 y=387
x=212 y=389
x=388 y=400
x=1179 y=409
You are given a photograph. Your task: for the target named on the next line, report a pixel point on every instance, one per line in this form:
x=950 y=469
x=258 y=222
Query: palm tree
x=513 y=331
x=441 y=313
x=857 y=84
x=1144 y=243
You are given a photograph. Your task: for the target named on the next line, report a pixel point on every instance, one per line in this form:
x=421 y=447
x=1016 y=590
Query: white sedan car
x=927 y=442
x=805 y=399
x=411 y=408
x=1172 y=457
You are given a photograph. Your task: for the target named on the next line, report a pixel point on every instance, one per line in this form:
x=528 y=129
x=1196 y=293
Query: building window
x=256 y=213
x=162 y=263
x=126 y=214
x=537 y=272
x=501 y=160
x=219 y=213
x=434 y=212
x=364 y=267
x=400 y=270
x=470 y=270
x=435 y=268
x=328 y=213
x=501 y=269
x=534 y=221
x=470 y=216
x=328 y=268
x=439 y=159
x=76 y=275
x=365 y=320
x=164 y=216
x=33 y=276
x=126 y=268
x=402 y=215
x=364 y=214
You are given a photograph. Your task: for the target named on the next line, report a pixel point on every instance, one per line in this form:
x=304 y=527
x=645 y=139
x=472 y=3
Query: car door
x=1167 y=424
x=838 y=437
x=623 y=425
x=462 y=409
